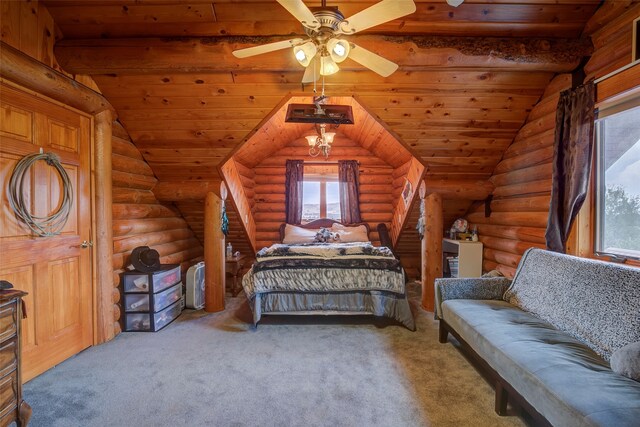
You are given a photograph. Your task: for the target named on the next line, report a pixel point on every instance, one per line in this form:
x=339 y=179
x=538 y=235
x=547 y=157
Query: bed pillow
x=350 y=234
x=296 y=235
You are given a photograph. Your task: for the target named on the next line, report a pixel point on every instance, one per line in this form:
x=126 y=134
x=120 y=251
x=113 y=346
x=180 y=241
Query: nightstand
x=233 y=267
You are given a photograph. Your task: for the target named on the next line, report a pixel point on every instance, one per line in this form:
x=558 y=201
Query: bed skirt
x=376 y=303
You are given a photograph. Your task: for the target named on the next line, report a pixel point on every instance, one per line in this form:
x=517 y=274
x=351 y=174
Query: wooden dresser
x=12 y=407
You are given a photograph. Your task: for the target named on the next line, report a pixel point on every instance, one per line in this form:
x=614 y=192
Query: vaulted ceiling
x=467 y=80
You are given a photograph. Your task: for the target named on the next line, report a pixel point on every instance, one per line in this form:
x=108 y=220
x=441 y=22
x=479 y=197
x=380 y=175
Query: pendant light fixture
x=320 y=143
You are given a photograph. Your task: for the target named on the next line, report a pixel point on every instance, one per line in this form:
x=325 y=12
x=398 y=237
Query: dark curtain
x=348 y=177
x=573 y=146
x=293 y=191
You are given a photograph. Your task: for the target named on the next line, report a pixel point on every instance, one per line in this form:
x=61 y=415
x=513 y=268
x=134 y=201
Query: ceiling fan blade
x=372 y=61
x=311 y=73
x=265 y=48
x=379 y=13
x=301 y=12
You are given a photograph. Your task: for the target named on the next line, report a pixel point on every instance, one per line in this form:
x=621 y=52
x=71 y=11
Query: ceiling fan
x=325 y=47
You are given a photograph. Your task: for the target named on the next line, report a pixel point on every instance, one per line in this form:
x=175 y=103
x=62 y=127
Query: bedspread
x=326 y=267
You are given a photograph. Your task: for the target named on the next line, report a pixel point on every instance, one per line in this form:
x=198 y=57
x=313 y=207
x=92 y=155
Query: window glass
x=618 y=208
x=310 y=201
x=333 y=200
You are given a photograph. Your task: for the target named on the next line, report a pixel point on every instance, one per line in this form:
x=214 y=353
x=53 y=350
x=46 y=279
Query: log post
x=213 y=255
x=104 y=327
x=431 y=248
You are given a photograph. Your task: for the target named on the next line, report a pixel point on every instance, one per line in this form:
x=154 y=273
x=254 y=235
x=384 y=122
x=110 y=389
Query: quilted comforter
x=324 y=267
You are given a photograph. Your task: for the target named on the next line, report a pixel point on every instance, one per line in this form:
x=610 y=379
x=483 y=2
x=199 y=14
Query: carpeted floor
x=215 y=370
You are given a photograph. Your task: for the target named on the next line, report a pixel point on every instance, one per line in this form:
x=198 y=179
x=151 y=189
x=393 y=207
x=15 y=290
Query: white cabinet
x=469 y=256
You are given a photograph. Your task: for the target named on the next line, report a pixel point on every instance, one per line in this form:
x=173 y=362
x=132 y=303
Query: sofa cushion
x=596 y=302
x=563 y=379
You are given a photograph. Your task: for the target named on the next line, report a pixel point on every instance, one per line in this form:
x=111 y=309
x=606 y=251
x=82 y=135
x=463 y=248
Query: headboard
x=322 y=222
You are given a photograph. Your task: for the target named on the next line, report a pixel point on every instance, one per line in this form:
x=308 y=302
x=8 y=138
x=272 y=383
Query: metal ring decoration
x=45 y=226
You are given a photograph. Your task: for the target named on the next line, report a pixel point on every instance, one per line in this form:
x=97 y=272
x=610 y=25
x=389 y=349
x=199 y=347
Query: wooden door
x=55 y=271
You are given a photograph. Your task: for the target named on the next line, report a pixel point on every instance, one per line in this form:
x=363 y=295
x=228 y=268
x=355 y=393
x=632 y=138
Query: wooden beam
x=431 y=248
x=214 y=272
x=104 y=325
x=152 y=55
x=32 y=74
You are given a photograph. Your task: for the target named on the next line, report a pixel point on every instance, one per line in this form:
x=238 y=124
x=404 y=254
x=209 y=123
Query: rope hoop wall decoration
x=45 y=226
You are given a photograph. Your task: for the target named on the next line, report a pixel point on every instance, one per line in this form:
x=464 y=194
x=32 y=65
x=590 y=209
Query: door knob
x=85 y=244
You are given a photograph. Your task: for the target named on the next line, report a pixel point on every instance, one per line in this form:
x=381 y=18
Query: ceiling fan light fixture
x=305 y=52
x=455 y=3
x=338 y=49
x=328 y=66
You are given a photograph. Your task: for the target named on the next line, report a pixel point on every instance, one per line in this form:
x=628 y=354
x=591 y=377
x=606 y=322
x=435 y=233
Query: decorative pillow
x=325 y=235
x=296 y=235
x=351 y=234
x=626 y=361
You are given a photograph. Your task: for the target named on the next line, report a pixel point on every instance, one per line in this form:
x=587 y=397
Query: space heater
x=195 y=286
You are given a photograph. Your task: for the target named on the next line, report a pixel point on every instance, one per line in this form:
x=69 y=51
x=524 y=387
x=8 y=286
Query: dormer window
x=321 y=196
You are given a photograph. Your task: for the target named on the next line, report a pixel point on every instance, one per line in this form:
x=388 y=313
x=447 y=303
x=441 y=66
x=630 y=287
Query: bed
x=346 y=276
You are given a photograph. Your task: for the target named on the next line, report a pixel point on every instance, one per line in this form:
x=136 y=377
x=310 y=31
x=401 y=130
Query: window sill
x=633 y=262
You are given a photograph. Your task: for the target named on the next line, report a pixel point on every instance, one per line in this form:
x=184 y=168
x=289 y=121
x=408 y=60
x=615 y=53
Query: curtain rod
x=329 y=163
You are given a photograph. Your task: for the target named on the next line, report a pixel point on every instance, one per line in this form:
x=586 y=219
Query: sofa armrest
x=469 y=288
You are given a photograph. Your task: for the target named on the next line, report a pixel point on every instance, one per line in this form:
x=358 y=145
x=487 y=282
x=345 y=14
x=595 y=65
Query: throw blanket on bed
x=325 y=267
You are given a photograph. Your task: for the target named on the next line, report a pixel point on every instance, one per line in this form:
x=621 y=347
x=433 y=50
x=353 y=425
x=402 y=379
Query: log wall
x=376 y=187
x=522 y=180
x=141 y=220
x=611 y=31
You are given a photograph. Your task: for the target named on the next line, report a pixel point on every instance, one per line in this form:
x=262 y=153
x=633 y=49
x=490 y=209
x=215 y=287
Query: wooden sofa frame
x=505 y=393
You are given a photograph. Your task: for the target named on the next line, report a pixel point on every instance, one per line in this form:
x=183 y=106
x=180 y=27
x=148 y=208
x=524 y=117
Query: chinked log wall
x=139 y=219
x=523 y=177
x=376 y=188
x=522 y=180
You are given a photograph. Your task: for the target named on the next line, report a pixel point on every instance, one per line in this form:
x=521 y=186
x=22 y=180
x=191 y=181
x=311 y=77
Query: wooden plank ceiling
x=467 y=80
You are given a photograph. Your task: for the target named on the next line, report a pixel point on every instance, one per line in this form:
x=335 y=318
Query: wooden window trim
x=582 y=239
x=323 y=198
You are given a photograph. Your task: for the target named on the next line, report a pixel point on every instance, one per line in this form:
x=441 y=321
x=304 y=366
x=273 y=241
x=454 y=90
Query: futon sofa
x=548 y=336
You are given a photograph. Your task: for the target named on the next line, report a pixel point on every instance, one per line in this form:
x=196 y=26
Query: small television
x=310 y=113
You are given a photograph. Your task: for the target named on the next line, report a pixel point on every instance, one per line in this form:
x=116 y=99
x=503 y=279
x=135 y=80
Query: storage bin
x=152 y=322
x=152 y=302
x=453 y=266
x=168 y=275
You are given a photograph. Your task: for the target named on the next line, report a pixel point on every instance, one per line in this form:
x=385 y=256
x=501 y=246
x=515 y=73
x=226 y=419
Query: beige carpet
x=216 y=370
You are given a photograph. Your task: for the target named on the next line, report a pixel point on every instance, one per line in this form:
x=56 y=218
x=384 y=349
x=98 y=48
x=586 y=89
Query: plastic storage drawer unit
x=152 y=302
x=168 y=275
x=152 y=322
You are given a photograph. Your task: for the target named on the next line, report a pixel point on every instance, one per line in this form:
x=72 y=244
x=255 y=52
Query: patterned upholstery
x=596 y=302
